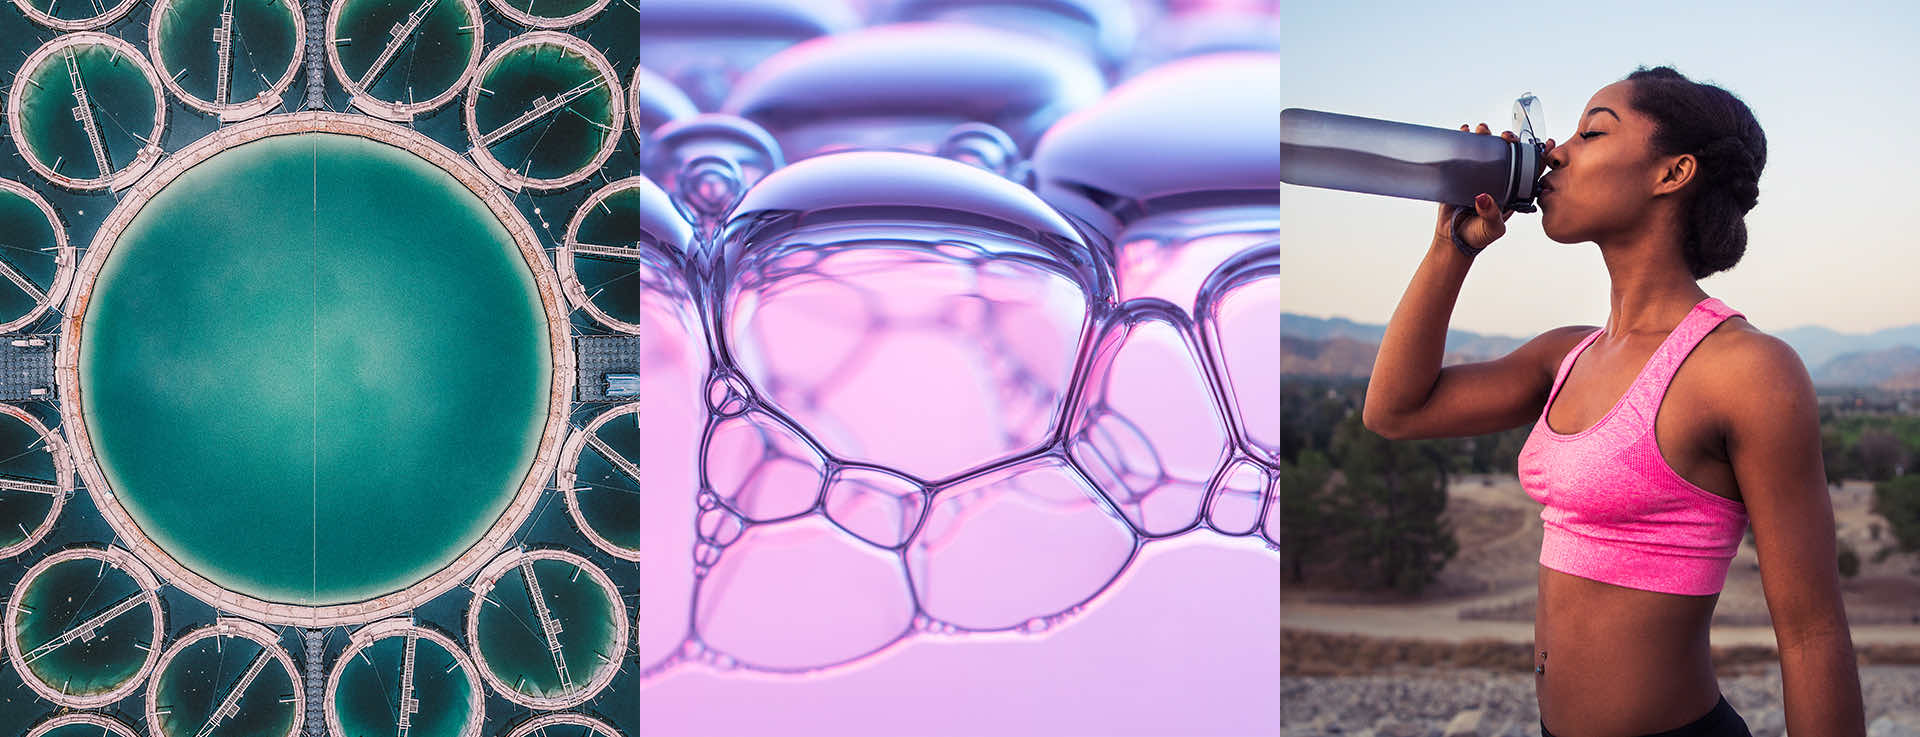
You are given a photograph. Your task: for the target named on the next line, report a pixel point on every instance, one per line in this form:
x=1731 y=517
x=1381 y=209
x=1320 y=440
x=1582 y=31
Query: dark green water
x=617 y=223
x=72 y=9
x=24 y=232
x=559 y=143
x=200 y=678
x=430 y=62
x=270 y=383
x=611 y=501
x=262 y=45
x=22 y=456
x=515 y=647
x=370 y=689
x=550 y=8
x=69 y=593
x=122 y=101
x=88 y=730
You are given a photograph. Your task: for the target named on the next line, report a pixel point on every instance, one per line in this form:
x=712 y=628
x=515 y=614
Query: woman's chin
x=1552 y=227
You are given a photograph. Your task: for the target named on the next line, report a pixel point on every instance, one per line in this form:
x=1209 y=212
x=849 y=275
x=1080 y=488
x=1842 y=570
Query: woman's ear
x=1677 y=173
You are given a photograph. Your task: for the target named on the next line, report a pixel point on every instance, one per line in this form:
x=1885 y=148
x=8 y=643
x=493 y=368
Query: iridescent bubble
x=930 y=409
x=1104 y=30
x=1234 y=508
x=1133 y=155
x=1238 y=305
x=905 y=86
x=837 y=599
x=660 y=103
x=1208 y=28
x=674 y=368
x=705 y=162
x=1025 y=541
x=1147 y=430
x=704 y=45
x=874 y=505
x=762 y=469
x=908 y=311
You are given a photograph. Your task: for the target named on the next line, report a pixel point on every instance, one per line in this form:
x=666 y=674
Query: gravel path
x=1488 y=704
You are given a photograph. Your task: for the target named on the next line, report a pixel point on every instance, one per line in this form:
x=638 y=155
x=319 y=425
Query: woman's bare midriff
x=1620 y=662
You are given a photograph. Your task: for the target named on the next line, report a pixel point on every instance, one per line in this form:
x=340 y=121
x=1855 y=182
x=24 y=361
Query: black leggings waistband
x=1721 y=721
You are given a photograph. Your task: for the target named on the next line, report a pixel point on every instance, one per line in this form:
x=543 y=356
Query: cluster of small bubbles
x=956 y=377
x=727 y=395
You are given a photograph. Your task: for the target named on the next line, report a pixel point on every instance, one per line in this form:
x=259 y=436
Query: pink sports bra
x=1615 y=511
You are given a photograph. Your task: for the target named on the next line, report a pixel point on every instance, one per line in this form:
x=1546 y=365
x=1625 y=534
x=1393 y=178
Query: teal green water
x=315 y=368
x=22 y=456
x=201 y=677
x=69 y=593
x=509 y=634
x=429 y=63
x=24 y=236
x=122 y=101
x=611 y=501
x=262 y=46
x=370 y=688
x=617 y=280
x=559 y=143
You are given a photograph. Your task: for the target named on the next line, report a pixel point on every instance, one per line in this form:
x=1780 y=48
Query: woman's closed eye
x=1590 y=134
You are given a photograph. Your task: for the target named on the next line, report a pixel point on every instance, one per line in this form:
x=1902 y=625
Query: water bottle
x=1355 y=154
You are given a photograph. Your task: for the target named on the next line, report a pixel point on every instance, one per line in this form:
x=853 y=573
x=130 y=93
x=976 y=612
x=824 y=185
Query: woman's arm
x=1410 y=395
x=1773 y=443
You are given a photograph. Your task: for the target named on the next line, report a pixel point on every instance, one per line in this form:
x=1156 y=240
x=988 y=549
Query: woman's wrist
x=1453 y=234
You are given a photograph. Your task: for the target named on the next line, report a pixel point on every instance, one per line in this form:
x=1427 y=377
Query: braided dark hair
x=1717 y=128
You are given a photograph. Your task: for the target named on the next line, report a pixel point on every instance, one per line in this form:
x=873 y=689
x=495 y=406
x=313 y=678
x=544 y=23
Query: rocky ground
x=1447 y=702
x=1456 y=660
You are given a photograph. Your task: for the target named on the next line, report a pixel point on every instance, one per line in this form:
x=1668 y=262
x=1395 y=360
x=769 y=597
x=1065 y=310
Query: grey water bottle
x=1355 y=154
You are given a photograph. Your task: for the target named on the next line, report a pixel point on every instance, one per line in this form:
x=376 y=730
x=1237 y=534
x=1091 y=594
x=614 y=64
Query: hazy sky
x=1833 y=241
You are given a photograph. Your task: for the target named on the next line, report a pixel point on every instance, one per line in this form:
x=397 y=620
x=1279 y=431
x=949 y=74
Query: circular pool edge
x=476 y=554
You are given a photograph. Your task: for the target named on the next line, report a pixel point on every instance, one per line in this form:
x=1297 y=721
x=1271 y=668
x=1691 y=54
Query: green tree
x=1880 y=454
x=1898 y=501
x=1837 y=455
x=1392 y=508
x=1305 y=509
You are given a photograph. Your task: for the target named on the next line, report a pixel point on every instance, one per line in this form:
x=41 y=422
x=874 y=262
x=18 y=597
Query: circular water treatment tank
x=35 y=256
x=547 y=628
x=86 y=110
x=544 y=112
x=347 y=458
x=599 y=260
x=231 y=58
x=74 y=16
x=403 y=58
x=549 y=13
x=601 y=477
x=396 y=676
x=564 y=725
x=36 y=476
x=228 y=679
x=85 y=650
x=83 y=724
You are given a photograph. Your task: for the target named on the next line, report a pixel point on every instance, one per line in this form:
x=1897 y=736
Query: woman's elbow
x=1383 y=423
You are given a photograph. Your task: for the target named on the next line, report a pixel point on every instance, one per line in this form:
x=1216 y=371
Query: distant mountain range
x=1887 y=359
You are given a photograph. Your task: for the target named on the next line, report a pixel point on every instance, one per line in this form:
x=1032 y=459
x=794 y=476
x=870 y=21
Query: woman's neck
x=1652 y=288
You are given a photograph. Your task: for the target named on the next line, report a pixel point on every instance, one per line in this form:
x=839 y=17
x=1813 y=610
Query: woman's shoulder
x=1741 y=357
x=1547 y=350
